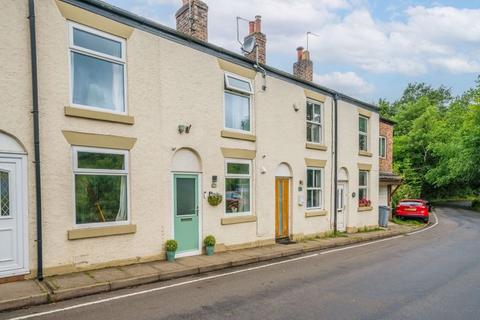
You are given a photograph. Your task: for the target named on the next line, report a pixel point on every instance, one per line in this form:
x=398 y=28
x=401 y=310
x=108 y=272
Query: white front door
x=341 y=207
x=13 y=238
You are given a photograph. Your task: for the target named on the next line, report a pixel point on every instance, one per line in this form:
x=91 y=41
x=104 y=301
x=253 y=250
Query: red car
x=413 y=208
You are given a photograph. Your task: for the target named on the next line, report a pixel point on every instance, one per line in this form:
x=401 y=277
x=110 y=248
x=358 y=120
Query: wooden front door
x=282 y=207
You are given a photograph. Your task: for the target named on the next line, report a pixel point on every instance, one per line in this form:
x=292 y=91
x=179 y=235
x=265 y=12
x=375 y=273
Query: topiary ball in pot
x=209 y=243
x=171 y=247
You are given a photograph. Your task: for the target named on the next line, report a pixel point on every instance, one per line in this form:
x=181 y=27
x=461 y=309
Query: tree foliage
x=436 y=141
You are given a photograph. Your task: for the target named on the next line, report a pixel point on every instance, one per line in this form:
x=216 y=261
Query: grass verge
x=407 y=222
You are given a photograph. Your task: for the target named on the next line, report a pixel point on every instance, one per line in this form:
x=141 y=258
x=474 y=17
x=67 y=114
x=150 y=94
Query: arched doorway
x=283 y=175
x=342 y=199
x=186 y=171
x=13 y=207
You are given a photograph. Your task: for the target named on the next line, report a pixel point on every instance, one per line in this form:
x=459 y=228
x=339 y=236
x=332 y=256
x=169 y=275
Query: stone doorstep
x=97 y=281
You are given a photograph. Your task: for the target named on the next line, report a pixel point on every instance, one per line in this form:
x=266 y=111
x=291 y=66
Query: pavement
x=26 y=293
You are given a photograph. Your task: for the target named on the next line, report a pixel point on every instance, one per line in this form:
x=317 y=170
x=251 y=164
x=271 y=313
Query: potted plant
x=171 y=246
x=209 y=243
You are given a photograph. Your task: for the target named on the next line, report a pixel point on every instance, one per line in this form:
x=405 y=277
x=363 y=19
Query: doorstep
x=56 y=288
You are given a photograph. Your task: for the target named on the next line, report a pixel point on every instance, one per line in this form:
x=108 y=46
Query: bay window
x=100 y=186
x=98 y=70
x=238 y=185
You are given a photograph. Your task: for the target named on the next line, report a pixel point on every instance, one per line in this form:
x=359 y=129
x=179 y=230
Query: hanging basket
x=214 y=199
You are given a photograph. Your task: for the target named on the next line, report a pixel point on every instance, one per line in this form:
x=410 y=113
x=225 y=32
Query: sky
x=369 y=49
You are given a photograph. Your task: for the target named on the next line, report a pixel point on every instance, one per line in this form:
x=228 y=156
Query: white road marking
x=86 y=304
x=360 y=245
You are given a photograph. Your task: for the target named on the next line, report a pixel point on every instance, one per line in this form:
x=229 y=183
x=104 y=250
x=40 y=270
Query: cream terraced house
x=136 y=125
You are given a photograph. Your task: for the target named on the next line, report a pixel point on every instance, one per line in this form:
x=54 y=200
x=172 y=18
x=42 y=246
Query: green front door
x=185 y=188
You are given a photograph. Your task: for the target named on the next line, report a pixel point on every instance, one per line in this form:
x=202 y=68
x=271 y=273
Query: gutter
x=335 y=165
x=36 y=137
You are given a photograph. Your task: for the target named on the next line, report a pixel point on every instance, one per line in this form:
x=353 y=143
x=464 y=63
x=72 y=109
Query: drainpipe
x=36 y=137
x=335 y=163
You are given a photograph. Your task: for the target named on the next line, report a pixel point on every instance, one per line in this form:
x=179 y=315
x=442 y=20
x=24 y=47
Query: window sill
x=316 y=213
x=101 y=232
x=316 y=146
x=363 y=209
x=238 y=219
x=238 y=135
x=98 y=115
x=364 y=153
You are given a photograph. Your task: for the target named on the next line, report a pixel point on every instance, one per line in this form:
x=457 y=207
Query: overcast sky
x=369 y=49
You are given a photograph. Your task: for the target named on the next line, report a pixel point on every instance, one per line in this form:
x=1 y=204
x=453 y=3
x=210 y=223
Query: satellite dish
x=249 y=44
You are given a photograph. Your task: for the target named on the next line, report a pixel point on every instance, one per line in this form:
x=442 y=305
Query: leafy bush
x=209 y=241
x=171 y=245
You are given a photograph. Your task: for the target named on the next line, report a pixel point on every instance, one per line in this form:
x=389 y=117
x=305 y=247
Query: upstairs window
x=382 y=146
x=97 y=62
x=101 y=186
x=238 y=92
x=363 y=133
x=314 y=122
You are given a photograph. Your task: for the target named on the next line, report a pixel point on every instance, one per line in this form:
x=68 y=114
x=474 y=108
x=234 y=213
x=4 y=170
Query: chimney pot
x=258 y=23
x=251 y=27
x=299 y=53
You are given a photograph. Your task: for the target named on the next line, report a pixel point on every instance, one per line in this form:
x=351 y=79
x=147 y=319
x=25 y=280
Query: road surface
x=433 y=274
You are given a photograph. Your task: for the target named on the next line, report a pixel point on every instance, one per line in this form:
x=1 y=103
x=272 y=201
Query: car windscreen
x=410 y=203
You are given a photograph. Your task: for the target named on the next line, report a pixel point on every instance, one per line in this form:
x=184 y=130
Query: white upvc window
x=363 y=189
x=238 y=103
x=238 y=187
x=314 y=122
x=97 y=70
x=363 y=133
x=101 y=187
x=382 y=147
x=314 y=188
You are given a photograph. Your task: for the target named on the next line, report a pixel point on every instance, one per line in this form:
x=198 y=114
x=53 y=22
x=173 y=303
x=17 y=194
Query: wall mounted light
x=295 y=107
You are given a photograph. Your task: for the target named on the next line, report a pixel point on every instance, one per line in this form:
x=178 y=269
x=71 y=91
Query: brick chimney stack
x=303 y=68
x=192 y=19
x=255 y=29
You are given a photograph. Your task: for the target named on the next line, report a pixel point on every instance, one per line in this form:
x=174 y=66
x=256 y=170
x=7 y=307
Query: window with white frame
x=101 y=186
x=363 y=189
x=363 y=133
x=238 y=96
x=314 y=188
x=98 y=69
x=238 y=186
x=382 y=146
x=314 y=122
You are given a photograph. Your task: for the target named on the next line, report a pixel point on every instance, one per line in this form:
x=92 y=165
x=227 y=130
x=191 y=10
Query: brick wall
x=195 y=23
x=303 y=68
x=386 y=130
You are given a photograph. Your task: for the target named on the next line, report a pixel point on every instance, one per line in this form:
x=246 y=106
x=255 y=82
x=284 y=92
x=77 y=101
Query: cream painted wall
x=16 y=93
x=168 y=84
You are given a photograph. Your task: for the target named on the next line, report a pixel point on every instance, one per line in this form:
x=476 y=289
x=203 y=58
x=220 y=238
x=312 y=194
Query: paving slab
x=74 y=285
x=20 y=294
x=109 y=274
